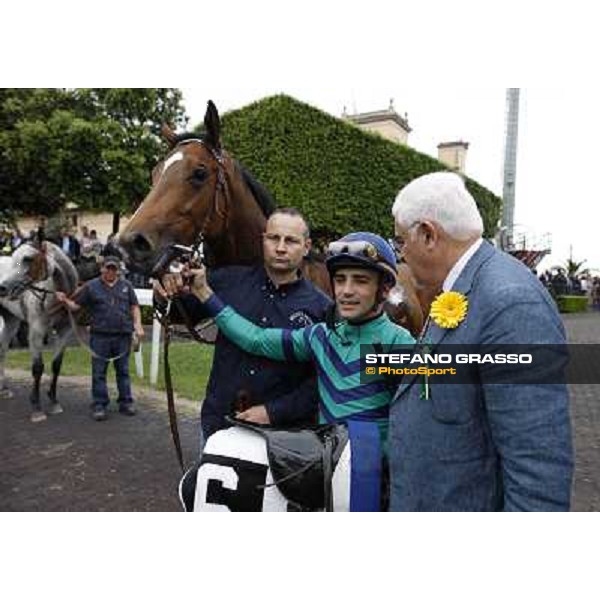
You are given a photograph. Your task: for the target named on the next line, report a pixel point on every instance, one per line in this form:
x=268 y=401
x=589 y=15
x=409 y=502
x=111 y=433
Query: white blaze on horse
x=28 y=282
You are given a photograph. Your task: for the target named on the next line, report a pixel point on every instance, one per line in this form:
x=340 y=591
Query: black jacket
x=288 y=390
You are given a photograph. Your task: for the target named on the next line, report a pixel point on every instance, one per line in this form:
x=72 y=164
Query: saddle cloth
x=255 y=468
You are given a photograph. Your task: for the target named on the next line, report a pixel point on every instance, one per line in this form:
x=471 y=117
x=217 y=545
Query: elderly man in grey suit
x=476 y=447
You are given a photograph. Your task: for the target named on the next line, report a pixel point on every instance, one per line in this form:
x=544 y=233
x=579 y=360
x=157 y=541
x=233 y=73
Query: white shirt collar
x=460 y=264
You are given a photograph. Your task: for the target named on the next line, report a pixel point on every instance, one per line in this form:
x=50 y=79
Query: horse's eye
x=199 y=175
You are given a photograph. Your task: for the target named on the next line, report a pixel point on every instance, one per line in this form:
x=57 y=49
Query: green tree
x=574 y=269
x=29 y=157
x=94 y=147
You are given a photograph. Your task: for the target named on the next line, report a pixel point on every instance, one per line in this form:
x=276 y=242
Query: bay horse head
x=198 y=193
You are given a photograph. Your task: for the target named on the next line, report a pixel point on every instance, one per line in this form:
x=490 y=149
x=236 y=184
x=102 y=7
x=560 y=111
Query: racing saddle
x=301 y=462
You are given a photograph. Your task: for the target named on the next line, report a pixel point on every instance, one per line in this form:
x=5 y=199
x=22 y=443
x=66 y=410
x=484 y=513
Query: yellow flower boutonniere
x=449 y=310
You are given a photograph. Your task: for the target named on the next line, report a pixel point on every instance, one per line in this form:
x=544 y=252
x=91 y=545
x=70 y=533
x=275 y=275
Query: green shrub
x=147 y=314
x=572 y=304
x=340 y=177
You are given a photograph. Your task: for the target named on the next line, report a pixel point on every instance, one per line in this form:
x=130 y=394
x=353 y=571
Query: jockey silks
x=336 y=356
x=288 y=391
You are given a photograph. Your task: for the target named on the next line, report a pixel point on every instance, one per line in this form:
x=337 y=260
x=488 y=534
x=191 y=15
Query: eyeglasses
x=357 y=248
x=399 y=243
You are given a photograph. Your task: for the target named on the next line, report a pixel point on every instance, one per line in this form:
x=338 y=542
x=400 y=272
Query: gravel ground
x=70 y=462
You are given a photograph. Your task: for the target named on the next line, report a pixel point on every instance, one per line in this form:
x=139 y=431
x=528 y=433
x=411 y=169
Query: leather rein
x=192 y=253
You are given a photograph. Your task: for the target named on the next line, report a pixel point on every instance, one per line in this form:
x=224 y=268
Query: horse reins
x=87 y=347
x=167 y=327
x=40 y=293
x=164 y=319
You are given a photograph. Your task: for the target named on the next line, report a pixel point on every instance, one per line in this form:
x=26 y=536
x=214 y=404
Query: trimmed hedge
x=572 y=304
x=340 y=177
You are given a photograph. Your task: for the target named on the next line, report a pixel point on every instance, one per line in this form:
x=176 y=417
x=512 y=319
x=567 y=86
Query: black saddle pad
x=302 y=461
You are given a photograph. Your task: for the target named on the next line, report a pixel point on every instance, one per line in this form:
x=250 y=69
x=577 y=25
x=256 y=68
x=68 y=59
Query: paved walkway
x=585 y=415
x=72 y=463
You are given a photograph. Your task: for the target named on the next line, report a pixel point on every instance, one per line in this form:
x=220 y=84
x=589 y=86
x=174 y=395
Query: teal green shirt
x=335 y=354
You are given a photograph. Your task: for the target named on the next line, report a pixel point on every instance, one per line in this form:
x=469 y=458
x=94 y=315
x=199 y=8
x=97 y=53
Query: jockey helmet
x=362 y=250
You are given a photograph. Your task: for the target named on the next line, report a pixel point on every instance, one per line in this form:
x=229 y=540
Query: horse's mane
x=65 y=274
x=259 y=191
x=261 y=195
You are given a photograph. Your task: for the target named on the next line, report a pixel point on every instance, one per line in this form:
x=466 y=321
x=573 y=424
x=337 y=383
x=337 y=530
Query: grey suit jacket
x=478 y=447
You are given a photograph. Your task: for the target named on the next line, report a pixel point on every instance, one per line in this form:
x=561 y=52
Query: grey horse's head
x=28 y=265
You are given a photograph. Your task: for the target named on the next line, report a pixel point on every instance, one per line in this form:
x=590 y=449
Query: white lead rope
x=87 y=347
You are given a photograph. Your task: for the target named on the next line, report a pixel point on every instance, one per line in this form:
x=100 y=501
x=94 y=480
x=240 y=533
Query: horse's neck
x=64 y=277
x=241 y=243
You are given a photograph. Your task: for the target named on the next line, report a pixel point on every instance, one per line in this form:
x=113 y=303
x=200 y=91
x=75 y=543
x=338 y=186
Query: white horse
x=28 y=282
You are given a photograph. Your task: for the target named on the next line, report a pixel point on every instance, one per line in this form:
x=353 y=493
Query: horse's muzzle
x=138 y=250
x=11 y=290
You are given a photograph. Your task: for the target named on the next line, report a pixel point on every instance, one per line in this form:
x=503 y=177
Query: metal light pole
x=510 y=163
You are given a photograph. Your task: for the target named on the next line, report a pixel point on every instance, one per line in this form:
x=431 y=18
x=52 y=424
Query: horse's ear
x=43 y=247
x=212 y=125
x=169 y=135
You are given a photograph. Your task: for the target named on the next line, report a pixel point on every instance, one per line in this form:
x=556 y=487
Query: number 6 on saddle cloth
x=257 y=468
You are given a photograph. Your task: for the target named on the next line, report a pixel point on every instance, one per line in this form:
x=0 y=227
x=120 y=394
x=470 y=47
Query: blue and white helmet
x=363 y=249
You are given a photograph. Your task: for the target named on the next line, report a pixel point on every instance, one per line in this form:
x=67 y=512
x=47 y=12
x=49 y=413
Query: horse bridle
x=220 y=187
x=196 y=250
x=29 y=283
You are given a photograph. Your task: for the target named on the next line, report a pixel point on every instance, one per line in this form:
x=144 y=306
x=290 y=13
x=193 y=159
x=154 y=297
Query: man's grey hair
x=443 y=198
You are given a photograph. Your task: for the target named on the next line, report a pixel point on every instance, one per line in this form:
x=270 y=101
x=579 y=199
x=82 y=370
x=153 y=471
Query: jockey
x=361 y=251
x=362 y=267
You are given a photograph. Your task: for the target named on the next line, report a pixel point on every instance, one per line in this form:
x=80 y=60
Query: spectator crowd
x=84 y=249
x=559 y=283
